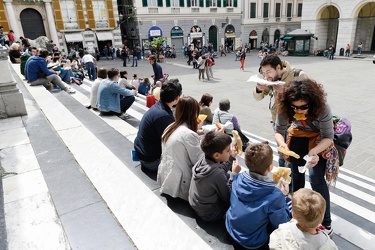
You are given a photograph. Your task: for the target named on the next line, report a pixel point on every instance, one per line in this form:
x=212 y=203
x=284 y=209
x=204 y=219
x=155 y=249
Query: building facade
x=265 y=21
x=189 y=21
x=69 y=23
x=340 y=22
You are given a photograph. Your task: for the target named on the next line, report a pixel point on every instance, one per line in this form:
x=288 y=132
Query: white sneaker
x=70 y=91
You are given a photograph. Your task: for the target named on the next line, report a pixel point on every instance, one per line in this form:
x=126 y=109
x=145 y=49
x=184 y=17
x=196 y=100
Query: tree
x=156 y=43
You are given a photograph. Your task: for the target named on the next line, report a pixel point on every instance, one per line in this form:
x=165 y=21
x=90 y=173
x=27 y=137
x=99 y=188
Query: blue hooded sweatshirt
x=257 y=207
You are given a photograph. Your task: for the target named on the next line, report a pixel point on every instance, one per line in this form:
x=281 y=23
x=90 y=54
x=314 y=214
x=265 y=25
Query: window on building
x=265 y=10
x=230 y=3
x=253 y=10
x=68 y=11
x=211 y=3
x=278 y=10
x=289 y=10
x=100 y=13
x=194 y=3
x=299 y=13
x=175 y=3
x=152 y=3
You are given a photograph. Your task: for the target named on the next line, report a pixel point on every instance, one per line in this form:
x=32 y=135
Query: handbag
x=244 y=139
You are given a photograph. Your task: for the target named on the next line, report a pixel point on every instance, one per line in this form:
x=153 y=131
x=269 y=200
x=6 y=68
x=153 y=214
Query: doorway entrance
x=32 y=23
x=212 y=37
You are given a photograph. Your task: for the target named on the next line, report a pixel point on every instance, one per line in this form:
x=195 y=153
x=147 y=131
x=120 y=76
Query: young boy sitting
x=257 y=206
x=302 y=233
x=209 y=191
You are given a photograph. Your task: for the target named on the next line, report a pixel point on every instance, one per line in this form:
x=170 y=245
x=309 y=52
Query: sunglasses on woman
x=303 y=107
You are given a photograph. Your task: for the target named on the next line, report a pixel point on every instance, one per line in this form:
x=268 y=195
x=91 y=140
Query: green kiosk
x=297 y=42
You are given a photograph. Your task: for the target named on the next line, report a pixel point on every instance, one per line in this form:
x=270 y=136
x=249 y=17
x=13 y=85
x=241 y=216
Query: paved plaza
x=77 y=183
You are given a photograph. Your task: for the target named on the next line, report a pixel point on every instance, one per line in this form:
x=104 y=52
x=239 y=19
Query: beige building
x=69 y=23
x=340 y=22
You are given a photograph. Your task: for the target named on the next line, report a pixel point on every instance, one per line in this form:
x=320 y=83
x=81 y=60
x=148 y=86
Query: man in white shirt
x=90 y=63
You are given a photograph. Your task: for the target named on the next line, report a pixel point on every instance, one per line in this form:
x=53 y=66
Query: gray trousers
x=55 y=79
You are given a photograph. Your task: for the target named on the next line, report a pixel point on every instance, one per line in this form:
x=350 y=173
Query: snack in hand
x=238 y=142
x=279 y=172
x=299 y=117
x=288 y=152
x=218 y=125
x=202 y=117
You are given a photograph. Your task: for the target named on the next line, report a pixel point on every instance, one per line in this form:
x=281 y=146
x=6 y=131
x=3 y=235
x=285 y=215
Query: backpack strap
x=297 y=72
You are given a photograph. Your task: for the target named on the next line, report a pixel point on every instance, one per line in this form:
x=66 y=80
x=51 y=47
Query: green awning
x=286 y=38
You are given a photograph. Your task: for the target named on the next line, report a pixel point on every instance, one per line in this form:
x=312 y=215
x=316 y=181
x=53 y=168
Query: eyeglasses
x=303 y=107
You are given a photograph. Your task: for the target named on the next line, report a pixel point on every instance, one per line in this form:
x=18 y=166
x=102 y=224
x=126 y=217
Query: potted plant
x=156 y=43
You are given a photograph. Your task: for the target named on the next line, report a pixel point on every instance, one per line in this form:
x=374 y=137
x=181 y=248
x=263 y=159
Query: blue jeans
x=124 y=62
x=317 y=174
x=135 y=59
x=2 y=41
x=66 y=75
x=152 y=166
x=91 y=70
x=126 y=102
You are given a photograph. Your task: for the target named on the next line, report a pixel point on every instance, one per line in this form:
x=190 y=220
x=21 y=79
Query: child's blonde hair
x=258 y=157
x=308 y=207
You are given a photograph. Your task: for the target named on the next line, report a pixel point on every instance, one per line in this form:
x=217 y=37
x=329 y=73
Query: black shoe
x=88 y=106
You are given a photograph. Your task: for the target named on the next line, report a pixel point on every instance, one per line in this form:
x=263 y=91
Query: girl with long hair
x=180 y=150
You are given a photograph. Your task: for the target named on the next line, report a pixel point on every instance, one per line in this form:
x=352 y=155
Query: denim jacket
x=109 y=96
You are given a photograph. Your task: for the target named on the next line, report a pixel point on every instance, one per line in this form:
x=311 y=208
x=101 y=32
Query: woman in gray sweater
x=303 y=105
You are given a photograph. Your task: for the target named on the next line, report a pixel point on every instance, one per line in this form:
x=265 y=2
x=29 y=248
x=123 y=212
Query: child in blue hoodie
x=257 y=206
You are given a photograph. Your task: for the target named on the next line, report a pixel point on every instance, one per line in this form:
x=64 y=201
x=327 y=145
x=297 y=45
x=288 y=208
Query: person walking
x=124 y=55
x=158 y=71
x=242 y=59
x=347 y=50
x=135 y=57
x=360 y=45
x=105 y=51
x=90 y=63
x=222 y=51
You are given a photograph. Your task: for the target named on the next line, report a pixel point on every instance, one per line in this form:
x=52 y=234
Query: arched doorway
x=265 y=36
x=253 y=39
x=365 y=31
x=276 y=39
x=328 y=25
x=212 y=37
x=230 y=35
x=32 y=23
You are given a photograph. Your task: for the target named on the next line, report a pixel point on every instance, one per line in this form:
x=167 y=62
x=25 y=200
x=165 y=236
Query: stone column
x=11 y=99
x=346 y=34
x=12 y=18
x=51 y=21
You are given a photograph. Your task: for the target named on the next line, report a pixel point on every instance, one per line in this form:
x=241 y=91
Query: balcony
x=153 y=10
x=213 y=10
x=230 y=10
x=277 y=19
x=289 y=19
x=70 y=26
x=265 y=20
x=194 y=10
x=175 y=10
x=102 y=24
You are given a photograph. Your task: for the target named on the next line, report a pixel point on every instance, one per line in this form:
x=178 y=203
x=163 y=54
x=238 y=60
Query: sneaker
x=327 y=230
x=70 y=91
x=124 y=116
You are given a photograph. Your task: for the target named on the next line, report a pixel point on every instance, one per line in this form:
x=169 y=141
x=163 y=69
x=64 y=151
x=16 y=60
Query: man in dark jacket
x=158 y=71
x=38 y=73
x=147 y=144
